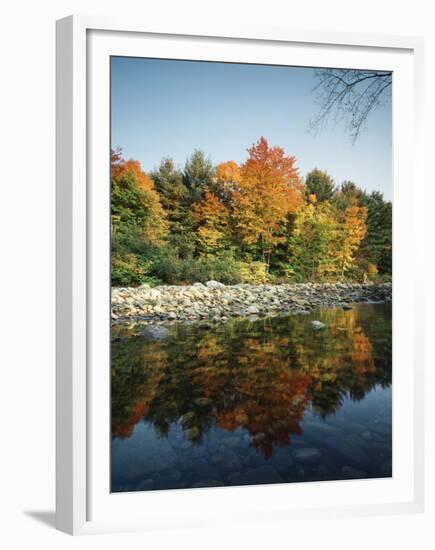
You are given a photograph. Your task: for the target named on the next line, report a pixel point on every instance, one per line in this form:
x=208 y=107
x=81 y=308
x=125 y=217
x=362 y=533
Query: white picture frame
x=83 y=505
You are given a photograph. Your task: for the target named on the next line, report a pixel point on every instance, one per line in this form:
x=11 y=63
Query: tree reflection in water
x=261 y=375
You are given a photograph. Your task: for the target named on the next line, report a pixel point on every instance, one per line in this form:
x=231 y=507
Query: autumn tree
x=137 y=219
x=353 y=232
x=213 y=219
x=268 y=191
x=226 y=180
x=312 y=242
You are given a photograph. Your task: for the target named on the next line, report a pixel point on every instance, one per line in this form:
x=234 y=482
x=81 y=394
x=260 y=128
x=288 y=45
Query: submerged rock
x=192 y=433
x=155 y=332
x=317 y=325
x=307 y=454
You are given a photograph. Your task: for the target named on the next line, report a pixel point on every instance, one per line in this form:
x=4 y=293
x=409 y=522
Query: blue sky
x=169 y=108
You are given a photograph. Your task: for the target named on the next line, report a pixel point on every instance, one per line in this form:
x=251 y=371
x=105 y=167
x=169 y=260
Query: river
x=253 y=401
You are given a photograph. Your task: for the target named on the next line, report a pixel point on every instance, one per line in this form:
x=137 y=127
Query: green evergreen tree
x=319 y=183
x=198 y=172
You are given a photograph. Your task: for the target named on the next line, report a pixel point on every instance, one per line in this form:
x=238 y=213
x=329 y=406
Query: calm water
x=247 y=402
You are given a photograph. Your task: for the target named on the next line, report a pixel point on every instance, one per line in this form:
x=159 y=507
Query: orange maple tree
x=268 y=191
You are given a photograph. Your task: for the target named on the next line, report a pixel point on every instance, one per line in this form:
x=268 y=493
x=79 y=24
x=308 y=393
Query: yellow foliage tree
x=353 y=232
x=213 y=219
x=225 y=181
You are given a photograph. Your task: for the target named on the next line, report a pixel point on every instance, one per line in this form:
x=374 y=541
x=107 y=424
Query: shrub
x=130 y=269
x=171 y=269
x=252 y=272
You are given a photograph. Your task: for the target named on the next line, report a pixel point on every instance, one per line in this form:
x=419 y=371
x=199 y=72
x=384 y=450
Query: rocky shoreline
x=216 y=302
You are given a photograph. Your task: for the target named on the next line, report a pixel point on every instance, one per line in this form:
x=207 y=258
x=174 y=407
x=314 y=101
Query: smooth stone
x=192 y=433
x=155 y=332
x=185 y=418
x=347 y=308
x=214 y=284
x=317 y=325
x=307 y=454
x=252 y=310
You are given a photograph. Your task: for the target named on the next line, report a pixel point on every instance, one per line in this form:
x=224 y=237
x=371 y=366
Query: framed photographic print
x=239 y=271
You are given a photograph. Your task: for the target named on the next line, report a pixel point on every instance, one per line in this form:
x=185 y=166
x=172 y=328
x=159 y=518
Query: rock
x=346 y=307
x=214 y=284
x=186 y=418
x=192 y=433
x=307 y=454
x=219 y=302
x=144 y=286
x=155 y=332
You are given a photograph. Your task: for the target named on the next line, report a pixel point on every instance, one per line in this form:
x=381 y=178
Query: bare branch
x=350 y=95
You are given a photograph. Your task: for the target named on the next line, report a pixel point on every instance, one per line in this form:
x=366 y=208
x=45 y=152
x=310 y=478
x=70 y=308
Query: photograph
x=251 y=274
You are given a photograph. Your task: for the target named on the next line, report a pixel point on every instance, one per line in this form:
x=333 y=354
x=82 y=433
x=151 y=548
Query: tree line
x=254 y=222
